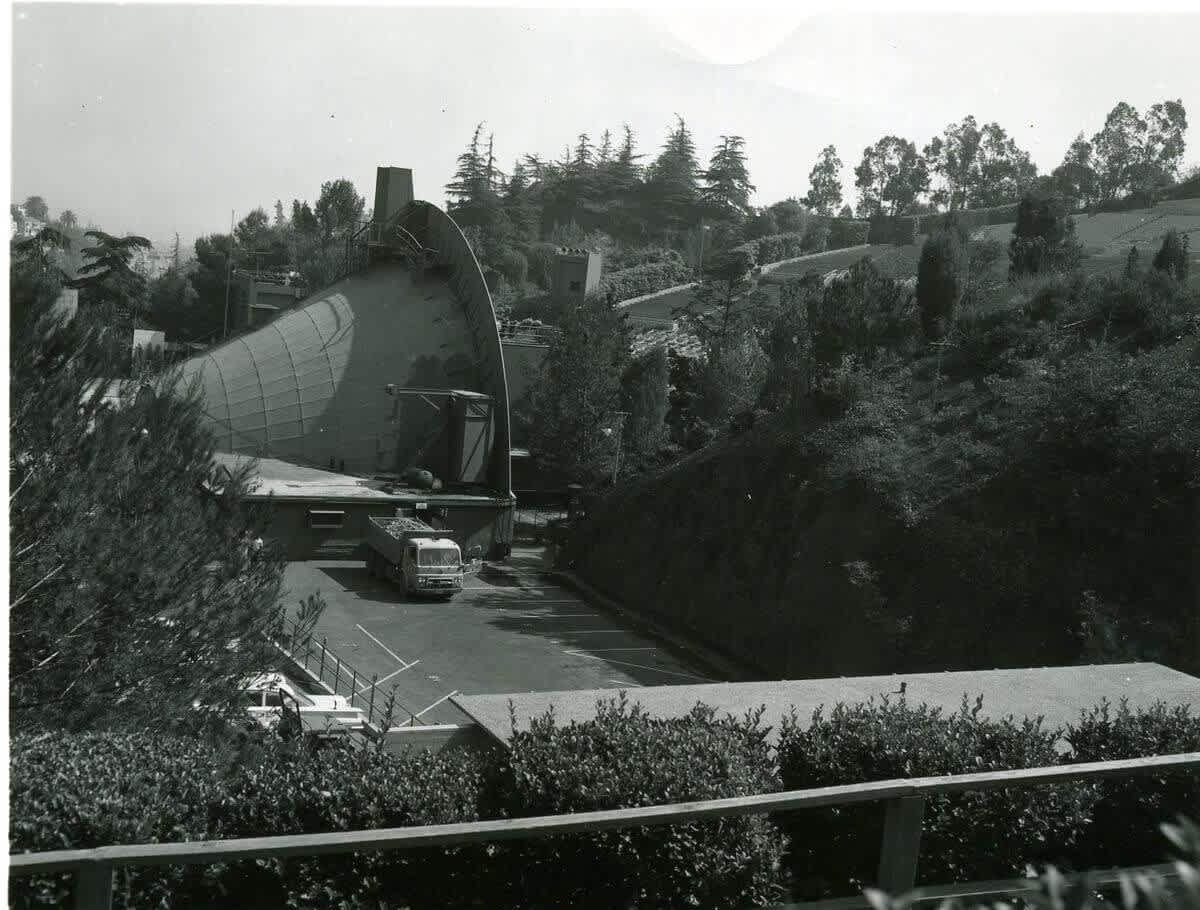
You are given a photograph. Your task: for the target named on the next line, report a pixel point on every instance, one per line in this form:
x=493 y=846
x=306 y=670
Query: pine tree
x=671 y=194
x=470 y=177
x=134 y=569
x=605 y=153
x=1043 y=238
x=727 y=189
x=175 y=251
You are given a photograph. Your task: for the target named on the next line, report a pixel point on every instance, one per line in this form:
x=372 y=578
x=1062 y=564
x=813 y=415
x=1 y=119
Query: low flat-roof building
x=1058 y=694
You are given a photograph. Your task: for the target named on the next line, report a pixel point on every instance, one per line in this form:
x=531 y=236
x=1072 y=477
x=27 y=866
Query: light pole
x=608 y=431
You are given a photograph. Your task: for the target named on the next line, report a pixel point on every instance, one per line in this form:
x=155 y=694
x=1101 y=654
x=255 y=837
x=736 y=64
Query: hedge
x=640 y=280
x=626 y=758
x=75 y=791
x=967 y=836
x=1129 y=810
x=844 y=232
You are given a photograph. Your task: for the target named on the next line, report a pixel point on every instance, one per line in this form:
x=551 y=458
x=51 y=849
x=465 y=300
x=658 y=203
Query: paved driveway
x=516 y=633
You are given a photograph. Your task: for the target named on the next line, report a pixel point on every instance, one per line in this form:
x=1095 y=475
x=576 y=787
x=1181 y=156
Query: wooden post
x=337 y=672
x=321 y=672
x=371 y=705
x=901 y=844
x=353 y=684
x=93 y=886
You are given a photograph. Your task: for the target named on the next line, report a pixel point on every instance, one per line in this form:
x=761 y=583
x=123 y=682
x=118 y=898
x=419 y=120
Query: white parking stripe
x=639 y=666
x=389 y=676
x=382 y=645
x=598 y=650
x=436 y=703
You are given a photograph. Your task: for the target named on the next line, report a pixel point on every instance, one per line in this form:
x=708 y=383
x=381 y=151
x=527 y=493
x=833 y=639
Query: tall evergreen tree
x=671 y=193
x=136 y=588
x=727 y=186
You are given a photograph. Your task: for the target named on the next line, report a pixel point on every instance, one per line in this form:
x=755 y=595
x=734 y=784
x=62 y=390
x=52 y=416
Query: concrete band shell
x=308 y=387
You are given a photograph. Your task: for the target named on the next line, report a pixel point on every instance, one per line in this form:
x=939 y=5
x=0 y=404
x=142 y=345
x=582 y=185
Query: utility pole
x=228 y=274
x=620 y=431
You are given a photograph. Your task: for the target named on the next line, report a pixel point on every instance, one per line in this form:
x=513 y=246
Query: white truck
x=421 y=559
x=272 y=699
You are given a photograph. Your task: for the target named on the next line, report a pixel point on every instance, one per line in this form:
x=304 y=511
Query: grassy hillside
x=1023 y=496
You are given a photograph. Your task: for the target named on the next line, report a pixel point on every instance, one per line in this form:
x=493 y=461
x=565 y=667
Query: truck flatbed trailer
x=422 y=559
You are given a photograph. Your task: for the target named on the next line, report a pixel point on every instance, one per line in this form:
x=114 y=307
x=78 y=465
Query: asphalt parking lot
x=505 y=633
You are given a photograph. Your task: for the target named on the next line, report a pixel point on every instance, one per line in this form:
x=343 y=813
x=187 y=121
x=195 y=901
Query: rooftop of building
x=1057 y=694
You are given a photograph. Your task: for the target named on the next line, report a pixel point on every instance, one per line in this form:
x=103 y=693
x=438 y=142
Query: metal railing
x=304 y=650
x=899 y=850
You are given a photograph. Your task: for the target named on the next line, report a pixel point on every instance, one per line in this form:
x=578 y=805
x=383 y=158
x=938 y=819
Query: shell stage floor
x=512 y=633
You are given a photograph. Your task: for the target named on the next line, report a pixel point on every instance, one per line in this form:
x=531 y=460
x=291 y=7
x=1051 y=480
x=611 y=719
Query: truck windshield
x=442 y=559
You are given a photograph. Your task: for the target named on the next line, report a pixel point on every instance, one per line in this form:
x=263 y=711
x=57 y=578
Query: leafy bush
x=345 y=789
x=90 y=790
x=883 y=229
x=540 y=263
x=844 y=232
x=1172 y=256
x=1134 y=891
x=966 y=836
x=989 y=339
x=1043 y=237
x=817 y=237
x=512 y=265
x=941 y=275
x=905 y=232
x=623 y=758
x=643 y=279
x=649 y=255
x=1137 y=313
x=1124 y=830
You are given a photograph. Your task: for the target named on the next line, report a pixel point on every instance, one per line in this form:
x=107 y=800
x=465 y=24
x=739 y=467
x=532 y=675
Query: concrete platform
x=1056 y=693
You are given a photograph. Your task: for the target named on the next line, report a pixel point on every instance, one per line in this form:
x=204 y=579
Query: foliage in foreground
x=136 y=585
x=1054 y=891
x=71 y=790
x=966 y=836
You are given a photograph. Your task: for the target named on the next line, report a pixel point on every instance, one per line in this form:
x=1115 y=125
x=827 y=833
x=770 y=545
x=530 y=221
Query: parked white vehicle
x=271 y=697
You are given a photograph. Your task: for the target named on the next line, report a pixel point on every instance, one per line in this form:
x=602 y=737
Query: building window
x=576 y=285
x=318 y=518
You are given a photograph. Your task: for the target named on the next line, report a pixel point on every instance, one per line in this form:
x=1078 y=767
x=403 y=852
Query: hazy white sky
x=158 y=119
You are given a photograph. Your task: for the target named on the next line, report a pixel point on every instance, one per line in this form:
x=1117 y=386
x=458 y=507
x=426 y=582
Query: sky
x=156 y=119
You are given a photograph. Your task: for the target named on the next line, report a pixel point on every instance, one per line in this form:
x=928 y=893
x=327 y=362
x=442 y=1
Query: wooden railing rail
x=900 y=847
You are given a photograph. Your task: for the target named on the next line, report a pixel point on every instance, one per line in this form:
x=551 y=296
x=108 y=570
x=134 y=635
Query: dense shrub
x=625 y=758
x=777 y=247
x=1136 y=313
x=649 y=255
x=512 y=265
x=882 y=230
x=344 y=789
x=76 y=791
x=817 y=236
x=941 y=276
x=1125 y=829
x=966 y=836
x=1043 y=237
x=540 y=263
x=644 y=279
x=844 y=232
x=905 y=232
x=1172 y=256
x=85 y=791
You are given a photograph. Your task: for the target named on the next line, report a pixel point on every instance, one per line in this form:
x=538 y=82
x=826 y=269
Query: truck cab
x=432 y=566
